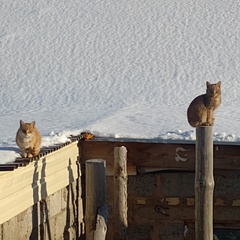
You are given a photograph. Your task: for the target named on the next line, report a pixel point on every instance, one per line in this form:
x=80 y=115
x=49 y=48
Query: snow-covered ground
x=116 y=68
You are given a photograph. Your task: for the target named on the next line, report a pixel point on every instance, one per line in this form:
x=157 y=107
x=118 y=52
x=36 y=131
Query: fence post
x=95 y=199
x=120 y=192
x=204 y=184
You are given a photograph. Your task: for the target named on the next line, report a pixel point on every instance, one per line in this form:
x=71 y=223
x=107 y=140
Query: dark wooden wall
x=161 y=185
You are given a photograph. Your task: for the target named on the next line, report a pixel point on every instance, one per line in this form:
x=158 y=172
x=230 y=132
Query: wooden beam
x=166 y=155
x=204 y=184
x=120 y=192
x=95 y=195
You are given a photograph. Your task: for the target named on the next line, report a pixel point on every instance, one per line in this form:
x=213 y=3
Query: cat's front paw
x=24 y=154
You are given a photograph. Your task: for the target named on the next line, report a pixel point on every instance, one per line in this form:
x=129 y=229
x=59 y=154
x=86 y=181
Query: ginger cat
x=201 y=110
x=28 y=139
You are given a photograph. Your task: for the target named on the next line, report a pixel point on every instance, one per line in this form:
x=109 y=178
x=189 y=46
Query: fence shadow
x=40 y=218
x=41 y=228
x=70 y=204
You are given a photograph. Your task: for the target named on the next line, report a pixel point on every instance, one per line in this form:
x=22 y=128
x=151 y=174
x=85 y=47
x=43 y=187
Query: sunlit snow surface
x=125 y=69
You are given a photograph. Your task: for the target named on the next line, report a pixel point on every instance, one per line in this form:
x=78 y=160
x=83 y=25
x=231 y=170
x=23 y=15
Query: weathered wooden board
x=21 y=188
x=160 y=155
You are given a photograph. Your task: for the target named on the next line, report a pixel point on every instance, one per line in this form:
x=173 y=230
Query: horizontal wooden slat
x=21 y=188
x=164 y=155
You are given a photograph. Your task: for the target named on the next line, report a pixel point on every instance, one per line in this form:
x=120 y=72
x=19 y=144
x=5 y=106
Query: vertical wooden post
x=204 y=184
x=120 y=192
x=95 y=194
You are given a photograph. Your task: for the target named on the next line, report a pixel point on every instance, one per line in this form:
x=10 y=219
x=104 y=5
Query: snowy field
x=116 y=68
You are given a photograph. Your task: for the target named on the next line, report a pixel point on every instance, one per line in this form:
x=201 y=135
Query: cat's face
x=27 y=128
x=214 y=89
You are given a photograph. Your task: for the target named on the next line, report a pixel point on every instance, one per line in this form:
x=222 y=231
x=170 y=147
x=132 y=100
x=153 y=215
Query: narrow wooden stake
x=204 y=184
x=95 y=197
x=120 y=192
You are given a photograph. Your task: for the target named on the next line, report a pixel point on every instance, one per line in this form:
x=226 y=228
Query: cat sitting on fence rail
x=201 y=110
x=28 y=139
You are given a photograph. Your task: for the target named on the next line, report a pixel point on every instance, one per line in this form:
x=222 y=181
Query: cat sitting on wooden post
x=28 y=139
x=201 y=110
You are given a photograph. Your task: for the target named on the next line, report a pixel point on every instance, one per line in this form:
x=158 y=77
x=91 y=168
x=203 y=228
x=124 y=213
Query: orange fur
x=86 y=135
x=201 y=110
x=28 y=139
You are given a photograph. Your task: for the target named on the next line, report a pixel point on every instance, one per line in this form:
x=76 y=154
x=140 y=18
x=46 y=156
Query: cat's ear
x=21 y=122
x=208 y=84
x=219 y=83
x=33 y=123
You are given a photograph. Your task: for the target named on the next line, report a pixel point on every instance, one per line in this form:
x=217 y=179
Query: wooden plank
x=95 y=195
x=120 y=192
x=21 y=188
x=141 y=154
x=17 y=202
x=45 y=166
x=168 y=156
x=204 y=184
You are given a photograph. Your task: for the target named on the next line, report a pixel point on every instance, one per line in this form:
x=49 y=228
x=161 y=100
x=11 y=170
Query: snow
x=116 y=68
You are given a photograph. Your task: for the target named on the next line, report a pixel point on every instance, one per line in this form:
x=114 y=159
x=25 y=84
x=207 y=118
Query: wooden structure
x=37 y=193
x=120 y=192
x=95 y=192
x=204 y=184
x=161 y=191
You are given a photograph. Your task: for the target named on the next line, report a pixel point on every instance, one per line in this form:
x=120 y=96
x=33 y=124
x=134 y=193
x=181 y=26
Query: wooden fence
x=160 y=189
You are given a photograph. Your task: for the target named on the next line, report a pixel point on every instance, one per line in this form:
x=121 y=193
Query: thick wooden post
x=120 y=192
x=95 y=198
x=204 y=184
